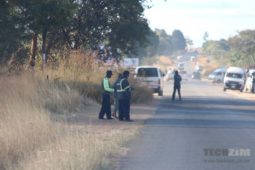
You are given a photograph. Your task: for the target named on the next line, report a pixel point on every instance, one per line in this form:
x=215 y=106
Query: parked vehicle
x=196 y=75
x=198 y=68
x=152 y=77
x=192 y=58
x=184 y=74
x=234 y=79
x=217 y=76
x=180 y=66
x=250 y=81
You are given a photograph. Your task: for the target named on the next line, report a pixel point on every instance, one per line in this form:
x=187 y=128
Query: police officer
x=177 y=85
x=116 y=96
x=124 y=93
x=107 y=90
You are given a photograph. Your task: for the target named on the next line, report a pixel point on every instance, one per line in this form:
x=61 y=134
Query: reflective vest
x=120 y=87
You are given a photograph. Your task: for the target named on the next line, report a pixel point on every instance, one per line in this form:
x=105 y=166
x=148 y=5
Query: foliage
x=165 y=46
x=161 y=43
x=11 y=31
x=72 y=24
x=238 y=50
x=178 y=40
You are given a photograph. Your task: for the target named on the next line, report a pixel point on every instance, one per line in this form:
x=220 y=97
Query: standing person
x=116 y=96
x=125 y=96
x=177 y=85
x=107 y=90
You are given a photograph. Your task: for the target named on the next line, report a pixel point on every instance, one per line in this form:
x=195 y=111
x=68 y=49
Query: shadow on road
x=205 y=112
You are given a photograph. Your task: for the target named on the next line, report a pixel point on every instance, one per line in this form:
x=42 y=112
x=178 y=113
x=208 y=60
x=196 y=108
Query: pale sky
x=220 y=18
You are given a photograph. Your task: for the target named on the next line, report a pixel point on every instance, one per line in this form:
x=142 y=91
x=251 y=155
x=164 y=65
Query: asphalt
x=208 y=130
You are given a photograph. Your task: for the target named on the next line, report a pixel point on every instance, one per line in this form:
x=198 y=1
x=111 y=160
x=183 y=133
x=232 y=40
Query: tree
x=151 y=47
x=178 y=40
x=128 y=29
x=11 y=31
x=243 y=48
x=165 y=46
x=72 y=24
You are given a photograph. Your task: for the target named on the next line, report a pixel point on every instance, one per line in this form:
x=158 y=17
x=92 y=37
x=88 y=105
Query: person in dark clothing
x=177 y=85
x=116 y=96
x=107 y=90
x=124 y=92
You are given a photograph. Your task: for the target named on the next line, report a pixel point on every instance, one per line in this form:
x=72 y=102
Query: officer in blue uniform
x=107 y=90
x=124 y=94
x=177 y=85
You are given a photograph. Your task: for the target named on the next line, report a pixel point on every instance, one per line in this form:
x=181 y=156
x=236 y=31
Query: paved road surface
x=208 y=130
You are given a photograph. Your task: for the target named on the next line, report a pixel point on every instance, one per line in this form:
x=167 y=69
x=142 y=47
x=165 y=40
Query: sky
x=219 y=18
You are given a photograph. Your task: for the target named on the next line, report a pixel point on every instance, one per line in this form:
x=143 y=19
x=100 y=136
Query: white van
x=234 y=79
x=152 y=77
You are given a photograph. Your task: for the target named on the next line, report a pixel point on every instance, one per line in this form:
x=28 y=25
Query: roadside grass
x=81 y=148
x=31 y=139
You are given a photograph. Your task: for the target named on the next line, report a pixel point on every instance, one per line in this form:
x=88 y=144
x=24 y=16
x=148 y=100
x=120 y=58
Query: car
x=152 y=77
x=192 y=58
x=198 y=68
x=183 y=74
x=179 y=57
x=234 y=79
x=180 y=66
x=250 y=81
x=196 y=75
x=217 y=75
x=169 y=75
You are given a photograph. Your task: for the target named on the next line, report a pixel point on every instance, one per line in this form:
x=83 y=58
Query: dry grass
x=25 y=125
x=31 y=139
x=82 y=73
x=83 y=148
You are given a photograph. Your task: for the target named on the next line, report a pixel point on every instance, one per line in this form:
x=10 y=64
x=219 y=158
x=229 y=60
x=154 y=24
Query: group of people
x=122 y=95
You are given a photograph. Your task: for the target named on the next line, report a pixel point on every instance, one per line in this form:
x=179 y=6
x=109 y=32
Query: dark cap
x=109 y=73
x=126 y=73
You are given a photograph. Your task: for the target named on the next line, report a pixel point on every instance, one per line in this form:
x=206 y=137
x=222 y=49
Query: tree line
x=238 y=50
x=40 y=29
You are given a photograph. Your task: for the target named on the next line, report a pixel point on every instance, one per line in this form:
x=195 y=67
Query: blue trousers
x=178 y=88
x=124 y=109
x=106 y=106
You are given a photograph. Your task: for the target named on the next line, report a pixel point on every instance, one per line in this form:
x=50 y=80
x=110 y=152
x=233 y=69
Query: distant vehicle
x=196 y=75
x=152 y=77
x=183 y=74
x=234 y=79
x=217 y=76
x=250 y=81
x=180 y=66
x=179 y=57
x=193 y=58
x=198 y=68
x=169 y=75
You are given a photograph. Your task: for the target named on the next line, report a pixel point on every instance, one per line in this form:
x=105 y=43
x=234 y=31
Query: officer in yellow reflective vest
x=124 y=95
x=107 y=90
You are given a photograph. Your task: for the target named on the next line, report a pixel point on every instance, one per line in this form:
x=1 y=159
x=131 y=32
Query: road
x=208 y=130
